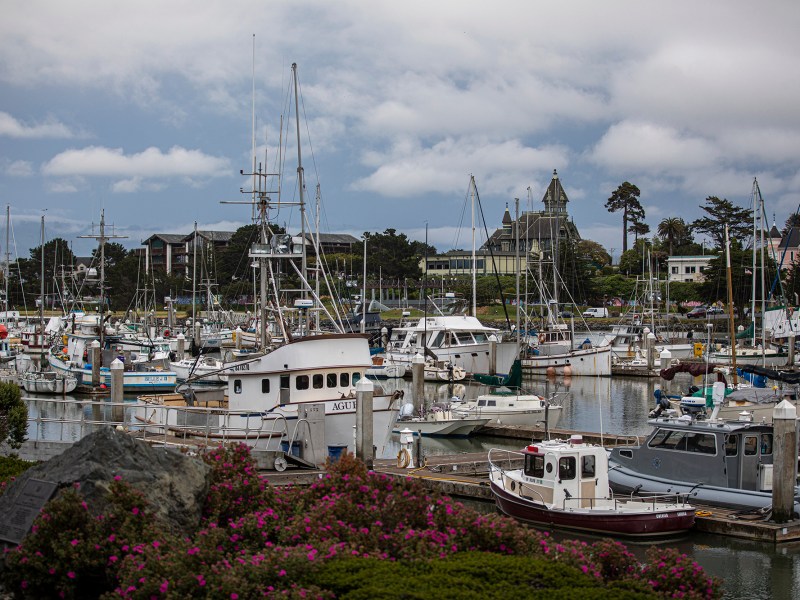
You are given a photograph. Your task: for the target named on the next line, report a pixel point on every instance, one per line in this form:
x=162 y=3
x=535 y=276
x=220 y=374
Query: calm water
x=614 y=405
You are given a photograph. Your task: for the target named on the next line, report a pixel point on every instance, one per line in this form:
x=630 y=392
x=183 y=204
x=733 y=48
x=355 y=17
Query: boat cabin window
x=265 y=386
x=481 y=402
x=534 y=465
x=587 y=466
x=751 y=445
x=237 y=386
x=687 y=441
x=301 y=382
x=344 y=379
x=666 y=439
x=462 y=339
x=703 y=443
x=480 y=338
x=436 y=340
x=731 y=445
x=766 y=443
x=355 y=377
x=566 y=468
x=330 y=380
x=316 y=381
x=284 y=382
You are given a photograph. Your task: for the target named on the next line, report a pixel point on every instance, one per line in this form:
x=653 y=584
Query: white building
x=687 y=268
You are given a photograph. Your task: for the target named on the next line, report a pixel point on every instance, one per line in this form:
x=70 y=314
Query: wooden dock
x=467 y=476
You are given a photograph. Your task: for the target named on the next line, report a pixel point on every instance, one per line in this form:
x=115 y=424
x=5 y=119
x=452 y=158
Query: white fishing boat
x=564 y=484
x=202 y=369
x=48 y=382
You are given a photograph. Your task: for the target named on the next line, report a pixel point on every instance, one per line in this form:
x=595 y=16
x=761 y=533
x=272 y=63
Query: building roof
x=774 y=233
x=791 y=239
x=334 y=238
x=214 y=236
x=170 y=238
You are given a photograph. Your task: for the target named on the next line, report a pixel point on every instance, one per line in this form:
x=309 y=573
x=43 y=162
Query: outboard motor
x=662 y=403
x=693 y=405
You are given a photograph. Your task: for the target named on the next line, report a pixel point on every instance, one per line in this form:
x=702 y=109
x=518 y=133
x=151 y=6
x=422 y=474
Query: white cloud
x=18 y=168
x=152 y=162
x=49 y=128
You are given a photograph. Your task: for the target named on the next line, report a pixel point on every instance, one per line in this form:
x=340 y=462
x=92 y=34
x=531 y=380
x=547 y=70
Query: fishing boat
x=438 y=421
x=48 y=382
x=202 y=369
x=508 y=404
x=715 y=462
x=564 y=484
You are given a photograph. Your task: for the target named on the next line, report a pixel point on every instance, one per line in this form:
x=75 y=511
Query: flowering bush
x=322 y=540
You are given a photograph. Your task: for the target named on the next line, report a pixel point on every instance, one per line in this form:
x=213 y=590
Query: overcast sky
x=145 y=109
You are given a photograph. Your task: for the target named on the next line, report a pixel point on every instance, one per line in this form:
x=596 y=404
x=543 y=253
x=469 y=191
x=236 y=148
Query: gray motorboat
x=721 y=463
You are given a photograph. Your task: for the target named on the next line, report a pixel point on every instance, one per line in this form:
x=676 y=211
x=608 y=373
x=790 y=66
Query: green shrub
x=13 y=415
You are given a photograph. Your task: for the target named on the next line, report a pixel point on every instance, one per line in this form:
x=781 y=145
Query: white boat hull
x=594 y=362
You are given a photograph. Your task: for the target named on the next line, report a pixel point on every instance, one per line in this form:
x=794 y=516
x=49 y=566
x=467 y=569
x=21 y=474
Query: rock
x=174 y=484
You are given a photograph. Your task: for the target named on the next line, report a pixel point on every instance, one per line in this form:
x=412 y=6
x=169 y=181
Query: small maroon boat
x=564 y=484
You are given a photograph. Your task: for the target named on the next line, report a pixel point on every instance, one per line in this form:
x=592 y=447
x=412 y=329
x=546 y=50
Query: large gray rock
x=174 y=484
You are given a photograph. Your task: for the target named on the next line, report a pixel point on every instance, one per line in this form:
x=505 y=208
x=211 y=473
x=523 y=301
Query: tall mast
x=300 y=181
x=516 y=251
x=40 y=339
x=194 y=271
x=731 y=326
x=474 y=272
x=755 y=242
x=7 y=264
x=102 y=239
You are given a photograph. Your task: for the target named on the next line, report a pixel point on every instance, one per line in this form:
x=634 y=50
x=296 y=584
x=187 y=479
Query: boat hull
x=595 y=362
x=441 y=428
x=132 y=380
x=626 y=481
x=617 y=523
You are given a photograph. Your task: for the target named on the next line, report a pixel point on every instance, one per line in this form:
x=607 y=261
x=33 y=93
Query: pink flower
x=135 y=510
x=74 y=542
x=117 y=478
x=71 y=574
x=163 y=587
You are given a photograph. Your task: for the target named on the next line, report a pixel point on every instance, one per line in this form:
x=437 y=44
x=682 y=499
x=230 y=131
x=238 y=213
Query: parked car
x=595 y=312
x=715 y=310
x=698 y=312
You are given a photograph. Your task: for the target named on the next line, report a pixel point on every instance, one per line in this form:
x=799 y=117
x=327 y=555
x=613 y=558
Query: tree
x=630 y=262
x=637 y=228
x=672 y=229
x=392 y=255
x=720 y=213
x=626 y=199
x=593 y=252
x=13 y=415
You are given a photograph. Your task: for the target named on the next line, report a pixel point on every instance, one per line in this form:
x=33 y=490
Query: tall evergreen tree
x=719 y=212
x=626 y=199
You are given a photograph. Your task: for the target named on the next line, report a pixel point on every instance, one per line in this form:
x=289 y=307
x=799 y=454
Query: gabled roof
x=214 y=236
x=774 y=233
x=333 y=238
x=790 y=240
x=170 y=238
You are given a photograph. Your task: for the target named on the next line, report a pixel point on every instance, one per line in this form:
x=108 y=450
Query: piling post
x=784 y=448
x=651 y=349
x=492 y=355
x=791 y=350
x=418 y=383
x=94 y=356
x=181 y=349
x=364 y=422
x=197 y=327
x=665 y=360
x=238 y=335
x=117 y=369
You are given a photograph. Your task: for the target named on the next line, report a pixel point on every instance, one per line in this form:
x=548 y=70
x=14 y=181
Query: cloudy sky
x=145 y=109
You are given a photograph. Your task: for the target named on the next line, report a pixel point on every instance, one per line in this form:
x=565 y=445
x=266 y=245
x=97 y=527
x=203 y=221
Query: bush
x=13 y=415
x=352 y=534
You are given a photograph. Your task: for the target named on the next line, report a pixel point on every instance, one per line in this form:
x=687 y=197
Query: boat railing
x=651 y=498
x=63 y=420
x=208 y=426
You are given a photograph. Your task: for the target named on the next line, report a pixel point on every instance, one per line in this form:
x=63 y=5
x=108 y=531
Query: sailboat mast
x=40 y=339
x=753 y=270
x=731 y=325
x=300 y=182
x=474 y=271
x=516 y=252
x=7 y=265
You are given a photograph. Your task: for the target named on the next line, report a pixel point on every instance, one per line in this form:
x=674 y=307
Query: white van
x=595 y=312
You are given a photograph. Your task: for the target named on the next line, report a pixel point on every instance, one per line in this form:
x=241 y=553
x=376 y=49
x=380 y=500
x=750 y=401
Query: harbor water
x=617 y=405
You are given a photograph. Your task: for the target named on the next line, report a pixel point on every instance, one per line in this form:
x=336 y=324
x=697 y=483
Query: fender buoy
x=403 y=458
x=542 y=338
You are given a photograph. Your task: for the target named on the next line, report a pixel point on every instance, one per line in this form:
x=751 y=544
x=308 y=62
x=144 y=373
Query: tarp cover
x=696 y=369
x=786 y=377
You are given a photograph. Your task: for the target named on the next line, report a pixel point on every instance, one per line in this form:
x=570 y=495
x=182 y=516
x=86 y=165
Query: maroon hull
x=650 y=524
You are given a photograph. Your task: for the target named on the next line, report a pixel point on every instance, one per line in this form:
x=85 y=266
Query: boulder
x=174 y=484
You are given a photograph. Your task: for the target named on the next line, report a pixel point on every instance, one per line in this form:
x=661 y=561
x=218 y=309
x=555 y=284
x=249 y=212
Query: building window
x=674 y=270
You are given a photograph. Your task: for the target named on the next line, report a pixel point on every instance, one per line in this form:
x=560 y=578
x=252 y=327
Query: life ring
x=542 y=338
x=403 y=458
